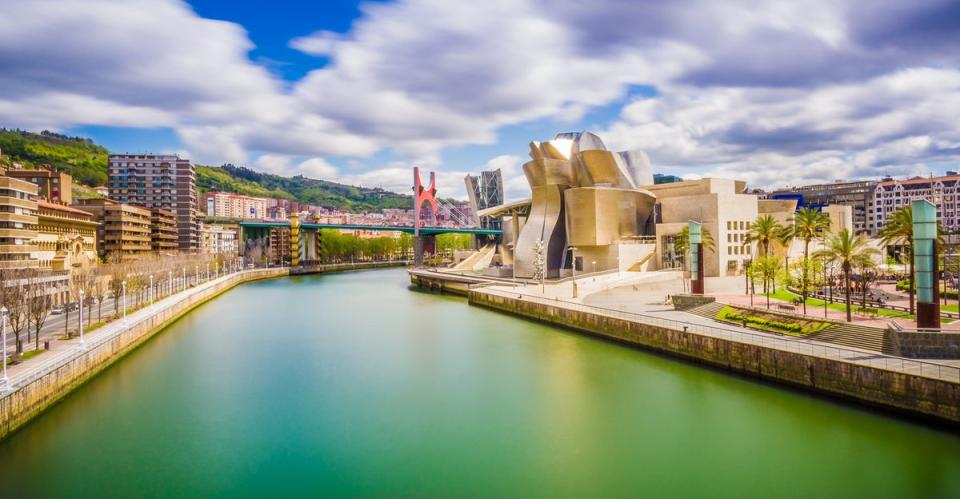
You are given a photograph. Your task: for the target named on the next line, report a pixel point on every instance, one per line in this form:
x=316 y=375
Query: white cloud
x=767 y=91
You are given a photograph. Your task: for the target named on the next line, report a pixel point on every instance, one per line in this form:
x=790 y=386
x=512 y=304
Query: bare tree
x=38 y=306
x=16 y=296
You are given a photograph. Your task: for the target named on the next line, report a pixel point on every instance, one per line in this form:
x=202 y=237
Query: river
x=352 y=385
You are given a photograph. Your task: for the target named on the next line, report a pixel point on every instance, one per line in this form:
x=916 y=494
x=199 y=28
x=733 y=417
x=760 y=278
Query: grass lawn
x=783 y=294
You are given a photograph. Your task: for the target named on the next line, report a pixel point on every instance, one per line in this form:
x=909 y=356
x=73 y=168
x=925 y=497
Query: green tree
x=764 y=231
x=847 y=251
x=808 y=224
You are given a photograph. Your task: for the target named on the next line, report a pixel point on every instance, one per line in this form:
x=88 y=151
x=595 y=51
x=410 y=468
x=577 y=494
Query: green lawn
x=783 y=294
x=771 y=321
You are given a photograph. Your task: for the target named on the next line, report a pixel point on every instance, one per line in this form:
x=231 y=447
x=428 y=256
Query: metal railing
x=798 y=345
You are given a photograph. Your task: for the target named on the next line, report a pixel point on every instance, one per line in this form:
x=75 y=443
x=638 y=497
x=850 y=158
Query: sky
x=776 y=93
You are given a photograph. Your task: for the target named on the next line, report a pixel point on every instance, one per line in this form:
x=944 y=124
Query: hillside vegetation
x=87 y=163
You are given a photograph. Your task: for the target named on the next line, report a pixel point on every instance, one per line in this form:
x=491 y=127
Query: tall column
x=925 y=264
x=294 y=240
x=696 y=258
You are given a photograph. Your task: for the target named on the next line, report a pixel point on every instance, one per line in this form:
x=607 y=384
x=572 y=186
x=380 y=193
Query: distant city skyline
x=775 y=93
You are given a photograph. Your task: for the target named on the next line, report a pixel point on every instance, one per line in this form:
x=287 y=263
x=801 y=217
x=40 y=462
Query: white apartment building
x=891 y=195
x=218 y=239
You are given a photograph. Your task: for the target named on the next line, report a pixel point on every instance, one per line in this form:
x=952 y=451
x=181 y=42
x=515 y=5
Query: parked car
x=56 y=310
x=72 y=306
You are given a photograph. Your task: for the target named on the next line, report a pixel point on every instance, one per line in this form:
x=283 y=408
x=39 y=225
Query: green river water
x=351 y=385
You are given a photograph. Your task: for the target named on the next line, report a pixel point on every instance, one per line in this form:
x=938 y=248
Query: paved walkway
x=62 y=351
x=646 y=304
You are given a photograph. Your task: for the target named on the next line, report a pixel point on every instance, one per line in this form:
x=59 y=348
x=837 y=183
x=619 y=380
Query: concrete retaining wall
x=910 y=393
x=22 y=405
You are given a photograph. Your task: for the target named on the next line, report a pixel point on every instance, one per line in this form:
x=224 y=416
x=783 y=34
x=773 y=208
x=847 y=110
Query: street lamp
x=170 y=282
x=196 y=274
x=123 y=294
x=183 y=281
x=573 y=256
x=5 y=382
x=151 y=290
x=208 y=271
x=82 y=345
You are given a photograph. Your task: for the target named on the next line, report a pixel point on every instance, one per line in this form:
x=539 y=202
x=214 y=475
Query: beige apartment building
x=18 y=223
x=52 y=185
x=125 y=230
x=891 y=194
x=163 y=230
x=230 y=205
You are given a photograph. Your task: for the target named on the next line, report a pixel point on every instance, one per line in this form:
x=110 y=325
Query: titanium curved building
x=582 y=196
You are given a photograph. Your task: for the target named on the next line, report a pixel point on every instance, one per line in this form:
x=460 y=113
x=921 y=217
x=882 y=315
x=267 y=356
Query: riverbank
x=923 y=389
x=37 y=386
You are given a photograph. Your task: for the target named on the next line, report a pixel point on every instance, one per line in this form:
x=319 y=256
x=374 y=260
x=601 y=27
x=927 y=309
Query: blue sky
x=773 y=92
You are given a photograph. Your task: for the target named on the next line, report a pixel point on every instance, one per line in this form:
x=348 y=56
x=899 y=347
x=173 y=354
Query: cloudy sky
x=774 y=92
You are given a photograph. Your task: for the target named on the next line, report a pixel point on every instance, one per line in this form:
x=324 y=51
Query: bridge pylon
x=420 y=195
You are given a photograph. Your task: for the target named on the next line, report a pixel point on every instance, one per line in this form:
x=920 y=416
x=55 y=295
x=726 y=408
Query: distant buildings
x=230 y=205
x=659 y=178
x=485 y=191
x=858 y=195
x=158 y=181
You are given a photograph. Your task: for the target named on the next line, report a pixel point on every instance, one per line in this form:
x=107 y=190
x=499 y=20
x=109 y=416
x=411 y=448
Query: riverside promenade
x=37 y=383
x=919 y=387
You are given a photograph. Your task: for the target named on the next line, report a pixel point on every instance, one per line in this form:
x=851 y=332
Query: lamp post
x=170 y=282
x=123 y=295
x=5 y=382
x=82 y=345
x=573 y=255
x=151 y=290
x=196 y=274
x=208 y=271
x=183 y=281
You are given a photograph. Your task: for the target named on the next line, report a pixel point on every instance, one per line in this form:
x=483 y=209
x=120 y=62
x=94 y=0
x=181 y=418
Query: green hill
x=87 y=163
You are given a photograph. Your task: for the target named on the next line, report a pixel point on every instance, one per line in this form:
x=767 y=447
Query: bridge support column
x=294 y=240
x=423 y=244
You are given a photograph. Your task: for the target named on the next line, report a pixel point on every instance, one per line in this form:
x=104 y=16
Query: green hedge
x=730 y=315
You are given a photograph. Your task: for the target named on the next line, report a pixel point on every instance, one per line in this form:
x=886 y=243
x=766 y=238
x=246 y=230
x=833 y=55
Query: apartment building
x=158 y=181
x=124 y=231
x=52 y=185
x=216 y=239
x=163 y=230
x=230 y=205
x=18 y=223
x=892 y=194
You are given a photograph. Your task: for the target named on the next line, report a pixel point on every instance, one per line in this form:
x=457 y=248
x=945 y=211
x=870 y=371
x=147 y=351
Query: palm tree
x=763 y=231
x=898 y=229
x=681 y=240
x=848 y=251
x=807 y=225
x=785 y=237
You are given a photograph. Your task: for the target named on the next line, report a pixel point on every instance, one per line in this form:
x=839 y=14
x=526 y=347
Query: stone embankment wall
x=909 y=393
x=343 y=267
x=930 y=345
x=18 y=407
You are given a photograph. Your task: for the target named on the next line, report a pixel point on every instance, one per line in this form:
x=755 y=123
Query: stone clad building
x=18 y=223
x=125 y=230
x=66 y=237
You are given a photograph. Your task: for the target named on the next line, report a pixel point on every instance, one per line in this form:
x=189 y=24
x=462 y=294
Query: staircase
x=708 y=310
x=855 y=336
x=638 y=266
